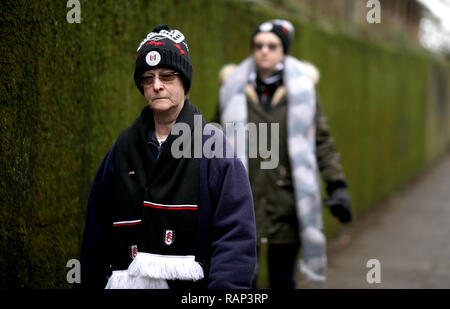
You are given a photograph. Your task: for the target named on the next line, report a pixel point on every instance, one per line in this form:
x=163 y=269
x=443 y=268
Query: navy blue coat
x=226 y=223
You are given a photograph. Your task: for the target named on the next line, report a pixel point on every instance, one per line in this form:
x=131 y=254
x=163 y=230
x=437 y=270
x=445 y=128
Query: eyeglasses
x=164 y=77
x=260 y=46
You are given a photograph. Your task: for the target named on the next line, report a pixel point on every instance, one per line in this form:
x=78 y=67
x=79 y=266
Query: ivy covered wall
x=67 y=91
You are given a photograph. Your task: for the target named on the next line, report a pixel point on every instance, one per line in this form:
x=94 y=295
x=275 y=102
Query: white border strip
x=126 y=222
x=164 y=205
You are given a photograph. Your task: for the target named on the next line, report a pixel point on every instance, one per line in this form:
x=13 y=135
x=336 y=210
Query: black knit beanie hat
x=282 y=28
x=164 y=48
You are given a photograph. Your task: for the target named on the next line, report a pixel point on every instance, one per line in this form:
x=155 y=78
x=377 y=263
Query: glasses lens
x=271 y=46
x=258 y=46
x=164 y=77
x=167 y=76
x=147 y=80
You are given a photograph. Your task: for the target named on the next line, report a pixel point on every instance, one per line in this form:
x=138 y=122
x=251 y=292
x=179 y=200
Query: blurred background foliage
x=67 y=91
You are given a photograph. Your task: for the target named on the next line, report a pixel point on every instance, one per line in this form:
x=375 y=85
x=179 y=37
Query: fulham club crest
x=153 y=58
x=169 y=237
x=133 y=251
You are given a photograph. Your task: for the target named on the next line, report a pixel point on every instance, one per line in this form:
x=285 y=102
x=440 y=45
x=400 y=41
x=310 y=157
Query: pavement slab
x=408 y=233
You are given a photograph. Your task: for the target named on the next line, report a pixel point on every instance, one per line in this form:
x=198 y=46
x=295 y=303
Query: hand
x=340 y=204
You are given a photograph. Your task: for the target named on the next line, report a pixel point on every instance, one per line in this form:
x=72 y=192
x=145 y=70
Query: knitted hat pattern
x=281 y=28
x=164 y=48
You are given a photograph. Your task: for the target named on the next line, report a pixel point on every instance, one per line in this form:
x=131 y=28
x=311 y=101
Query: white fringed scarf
x=150 y=271
x=301 y=99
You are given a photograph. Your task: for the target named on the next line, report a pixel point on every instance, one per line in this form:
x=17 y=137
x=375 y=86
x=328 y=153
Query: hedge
x=67 y=91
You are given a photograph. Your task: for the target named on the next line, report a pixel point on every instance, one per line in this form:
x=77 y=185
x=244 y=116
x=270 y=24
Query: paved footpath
x=409 y=234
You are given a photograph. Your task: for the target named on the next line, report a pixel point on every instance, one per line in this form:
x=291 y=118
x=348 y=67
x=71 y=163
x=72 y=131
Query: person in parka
x=156 y=219
x=275 y=88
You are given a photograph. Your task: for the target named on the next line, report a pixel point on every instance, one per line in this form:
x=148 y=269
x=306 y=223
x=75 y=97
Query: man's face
x=267 y=51
x=163 y=89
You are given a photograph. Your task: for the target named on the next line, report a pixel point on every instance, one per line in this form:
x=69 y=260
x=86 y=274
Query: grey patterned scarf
x=301 y=147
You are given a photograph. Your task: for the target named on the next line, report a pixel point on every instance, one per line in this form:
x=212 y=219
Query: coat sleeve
x=328 y=157
x=94 y=256
x=233 y=258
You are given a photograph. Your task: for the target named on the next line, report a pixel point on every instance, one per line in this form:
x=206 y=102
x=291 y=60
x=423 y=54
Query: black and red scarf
x=154 y=223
